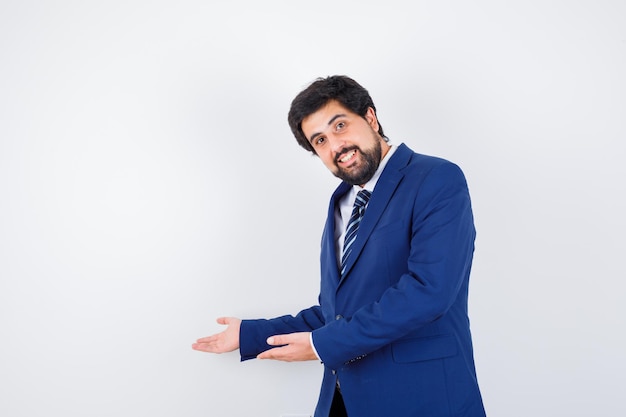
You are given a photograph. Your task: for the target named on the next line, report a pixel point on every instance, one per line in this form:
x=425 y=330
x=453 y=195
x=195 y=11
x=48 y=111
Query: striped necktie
x=358 y=210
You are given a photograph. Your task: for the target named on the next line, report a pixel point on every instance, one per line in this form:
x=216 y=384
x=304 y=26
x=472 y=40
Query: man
x=391 y=327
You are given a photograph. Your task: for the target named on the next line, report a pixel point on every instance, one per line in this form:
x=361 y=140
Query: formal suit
x=394 y=331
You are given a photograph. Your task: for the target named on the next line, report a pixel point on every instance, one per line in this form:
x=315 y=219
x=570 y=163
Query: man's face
x=348 y=144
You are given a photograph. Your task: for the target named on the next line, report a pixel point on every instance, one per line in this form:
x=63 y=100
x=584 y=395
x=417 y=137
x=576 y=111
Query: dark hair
x=337 y=87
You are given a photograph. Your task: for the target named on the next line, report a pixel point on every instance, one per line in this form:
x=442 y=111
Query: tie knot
x=362 y=198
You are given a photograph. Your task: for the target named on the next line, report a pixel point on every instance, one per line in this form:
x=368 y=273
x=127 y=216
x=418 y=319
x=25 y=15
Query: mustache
x=344 y=151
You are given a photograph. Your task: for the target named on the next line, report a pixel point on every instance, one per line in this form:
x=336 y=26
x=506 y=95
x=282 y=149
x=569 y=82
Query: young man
x=391 y=327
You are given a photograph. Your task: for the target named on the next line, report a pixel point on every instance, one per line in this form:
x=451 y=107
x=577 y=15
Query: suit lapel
x=329 y=232
x=385 y=187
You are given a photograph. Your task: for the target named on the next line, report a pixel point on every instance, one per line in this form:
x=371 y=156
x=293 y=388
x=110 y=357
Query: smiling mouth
x=347 y=157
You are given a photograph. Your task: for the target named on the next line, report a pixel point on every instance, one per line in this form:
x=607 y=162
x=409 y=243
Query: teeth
x=347 y=157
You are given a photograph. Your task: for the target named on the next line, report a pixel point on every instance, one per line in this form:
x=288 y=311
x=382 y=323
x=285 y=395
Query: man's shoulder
x=419 y=162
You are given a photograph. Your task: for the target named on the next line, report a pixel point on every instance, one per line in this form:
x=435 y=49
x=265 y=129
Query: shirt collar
x=372 y=182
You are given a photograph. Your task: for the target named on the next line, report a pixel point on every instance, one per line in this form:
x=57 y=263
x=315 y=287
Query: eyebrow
x=330 y=122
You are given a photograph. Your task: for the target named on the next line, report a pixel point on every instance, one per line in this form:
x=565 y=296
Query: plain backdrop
x=149 y=183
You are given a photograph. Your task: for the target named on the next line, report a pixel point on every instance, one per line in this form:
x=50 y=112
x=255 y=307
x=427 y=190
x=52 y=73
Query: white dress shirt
x=344 y=208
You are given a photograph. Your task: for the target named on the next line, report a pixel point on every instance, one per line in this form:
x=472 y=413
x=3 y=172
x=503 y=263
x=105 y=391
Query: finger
x=202 y=347
x=206 y=347
x=275 y=353
x=279 y=339
x=223 y=320
x=207 y=339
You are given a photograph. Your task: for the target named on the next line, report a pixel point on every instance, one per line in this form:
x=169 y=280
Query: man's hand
x=223 y=342
x=297 y=347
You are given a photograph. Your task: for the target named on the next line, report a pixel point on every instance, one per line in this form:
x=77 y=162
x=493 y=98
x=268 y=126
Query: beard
x=370 y=159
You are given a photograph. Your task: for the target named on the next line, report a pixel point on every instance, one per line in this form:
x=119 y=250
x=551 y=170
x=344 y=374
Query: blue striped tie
x=358 y=210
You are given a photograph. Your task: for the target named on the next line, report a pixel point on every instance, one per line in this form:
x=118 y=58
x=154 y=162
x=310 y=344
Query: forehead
x=324 y=116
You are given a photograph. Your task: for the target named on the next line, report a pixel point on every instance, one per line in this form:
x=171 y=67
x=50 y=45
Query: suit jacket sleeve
x=254 y=333
x=439 y=260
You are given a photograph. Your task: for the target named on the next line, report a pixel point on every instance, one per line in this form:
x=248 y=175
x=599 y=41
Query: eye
x=319 y=140
x=340 y=125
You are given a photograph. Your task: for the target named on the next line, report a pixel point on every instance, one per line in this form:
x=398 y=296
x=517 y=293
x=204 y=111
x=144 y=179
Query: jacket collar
x=385 y=187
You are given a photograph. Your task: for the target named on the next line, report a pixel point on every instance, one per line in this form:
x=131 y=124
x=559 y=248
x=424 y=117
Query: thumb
x=223 y=320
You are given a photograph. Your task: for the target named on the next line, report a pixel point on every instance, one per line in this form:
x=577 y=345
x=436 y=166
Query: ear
x=371 y=118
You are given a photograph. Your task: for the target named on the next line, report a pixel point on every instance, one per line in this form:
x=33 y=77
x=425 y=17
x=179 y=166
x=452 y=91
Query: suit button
x=334 y=372
x=338 y=317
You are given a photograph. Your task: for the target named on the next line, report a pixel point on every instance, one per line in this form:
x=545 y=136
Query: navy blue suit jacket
x=395 y=330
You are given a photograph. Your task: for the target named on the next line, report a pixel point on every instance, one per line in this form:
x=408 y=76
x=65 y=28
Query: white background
x=149 y=183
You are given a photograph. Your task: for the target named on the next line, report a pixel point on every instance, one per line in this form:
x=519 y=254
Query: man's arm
x=286 y=330
x=439 y=259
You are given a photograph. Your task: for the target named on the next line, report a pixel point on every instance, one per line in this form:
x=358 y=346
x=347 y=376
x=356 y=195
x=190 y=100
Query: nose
x=336 y=143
